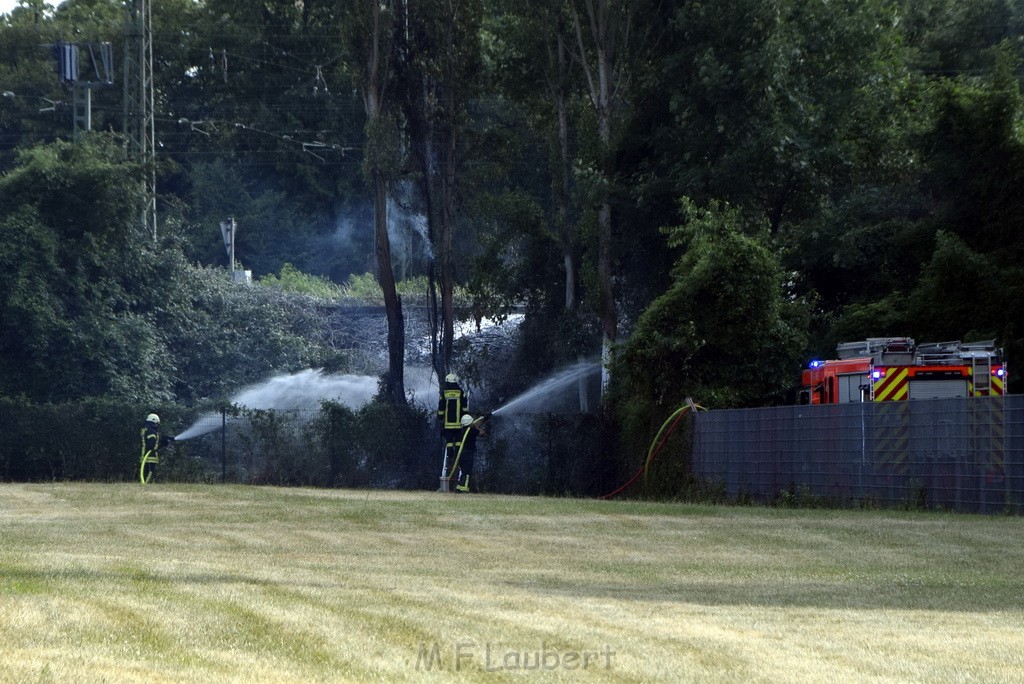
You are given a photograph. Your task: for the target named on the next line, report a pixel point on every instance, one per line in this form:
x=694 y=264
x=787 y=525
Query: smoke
x=407 y=231
x=349 y=248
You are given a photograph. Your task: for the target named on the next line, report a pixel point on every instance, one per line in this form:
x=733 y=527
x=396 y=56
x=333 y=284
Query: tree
x=948 y=38
x=774 y=105
x=38 y=107
x=371 y=35
x=69 y=261
x=531 y=48
x=958 y=257
x=974 y=159
x=602 y=31
x=89 y=308
x=256 y=94
x=441 y=60
x=723 y=333
x=612 y=41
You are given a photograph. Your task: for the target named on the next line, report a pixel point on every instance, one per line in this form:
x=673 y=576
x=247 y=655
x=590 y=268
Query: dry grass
x=191 y=583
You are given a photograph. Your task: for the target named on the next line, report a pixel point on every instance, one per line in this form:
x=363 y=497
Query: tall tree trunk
x=565 y=169
x=447 y=242
x=447 y=171
x=394 y=382
x=600 y=22
x=422 y=133
x=441 y=57
x=432 y=295
x=419 y=105
x=563 y=191
x=609 y=314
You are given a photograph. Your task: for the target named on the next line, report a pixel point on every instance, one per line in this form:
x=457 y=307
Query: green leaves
x=89 y=308
x=292 y=279
x=723 y=332
x=68 y=246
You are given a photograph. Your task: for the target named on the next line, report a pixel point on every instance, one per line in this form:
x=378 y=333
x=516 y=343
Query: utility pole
x=139 y=130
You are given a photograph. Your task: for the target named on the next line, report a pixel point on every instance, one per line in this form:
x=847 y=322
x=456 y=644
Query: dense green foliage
x=722 y=331
x=290 y=279
x=89 y=308
x=850 y=169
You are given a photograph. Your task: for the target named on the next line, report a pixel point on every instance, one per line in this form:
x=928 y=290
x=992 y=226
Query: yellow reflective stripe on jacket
x=452 y=409
x=149 y=452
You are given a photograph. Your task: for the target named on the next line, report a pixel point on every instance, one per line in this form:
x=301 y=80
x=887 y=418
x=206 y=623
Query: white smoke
x=407 y=229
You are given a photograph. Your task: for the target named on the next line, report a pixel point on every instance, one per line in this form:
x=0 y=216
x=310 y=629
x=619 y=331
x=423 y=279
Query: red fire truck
x=896 y=369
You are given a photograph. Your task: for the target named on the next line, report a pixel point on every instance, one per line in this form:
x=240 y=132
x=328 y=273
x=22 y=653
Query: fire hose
x=657 y=444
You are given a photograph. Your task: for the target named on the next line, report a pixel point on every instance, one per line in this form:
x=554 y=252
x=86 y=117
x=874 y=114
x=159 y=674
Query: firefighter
x=452 y=405
x=152 y=440
x=466 y=451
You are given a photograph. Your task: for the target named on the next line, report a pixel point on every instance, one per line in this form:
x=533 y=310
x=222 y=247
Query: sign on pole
x=227 y=230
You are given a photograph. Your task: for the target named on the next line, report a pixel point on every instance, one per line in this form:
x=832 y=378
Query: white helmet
x=467 y=420
x=451 y=377
x=153 y=418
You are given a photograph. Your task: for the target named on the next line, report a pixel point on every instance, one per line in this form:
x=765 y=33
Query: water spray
x=303 y=390
x=536 y=399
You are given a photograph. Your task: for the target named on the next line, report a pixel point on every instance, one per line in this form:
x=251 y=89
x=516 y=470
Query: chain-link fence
x=377 y=447
x=961 y=454
x=330 y=446
x=90 y=440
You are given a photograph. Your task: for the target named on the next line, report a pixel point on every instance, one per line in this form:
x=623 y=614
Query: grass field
x=116 y=582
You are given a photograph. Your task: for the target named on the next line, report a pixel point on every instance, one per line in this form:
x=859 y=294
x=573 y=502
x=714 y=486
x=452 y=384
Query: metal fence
x=519 y=454
x=330 y=446
x=959 y=454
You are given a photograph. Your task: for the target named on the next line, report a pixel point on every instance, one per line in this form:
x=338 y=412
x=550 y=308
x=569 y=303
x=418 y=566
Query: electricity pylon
x=139 y=130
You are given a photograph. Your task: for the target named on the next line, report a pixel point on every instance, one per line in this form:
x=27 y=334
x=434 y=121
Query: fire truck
x=897 y=369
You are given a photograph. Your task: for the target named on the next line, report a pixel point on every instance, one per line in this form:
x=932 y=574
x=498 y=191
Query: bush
x=293 y=280
x=90 y=440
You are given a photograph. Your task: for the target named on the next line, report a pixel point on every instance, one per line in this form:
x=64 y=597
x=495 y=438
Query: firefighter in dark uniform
x=452 y=405
x=466 y=451
x=152 y=440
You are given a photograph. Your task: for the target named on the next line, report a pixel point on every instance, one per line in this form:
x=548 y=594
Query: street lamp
x=194 y=125
x=53 y=103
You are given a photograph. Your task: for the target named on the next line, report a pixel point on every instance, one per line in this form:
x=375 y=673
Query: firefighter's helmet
x=467 y=420
x=451 y=377
x=153 y=418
